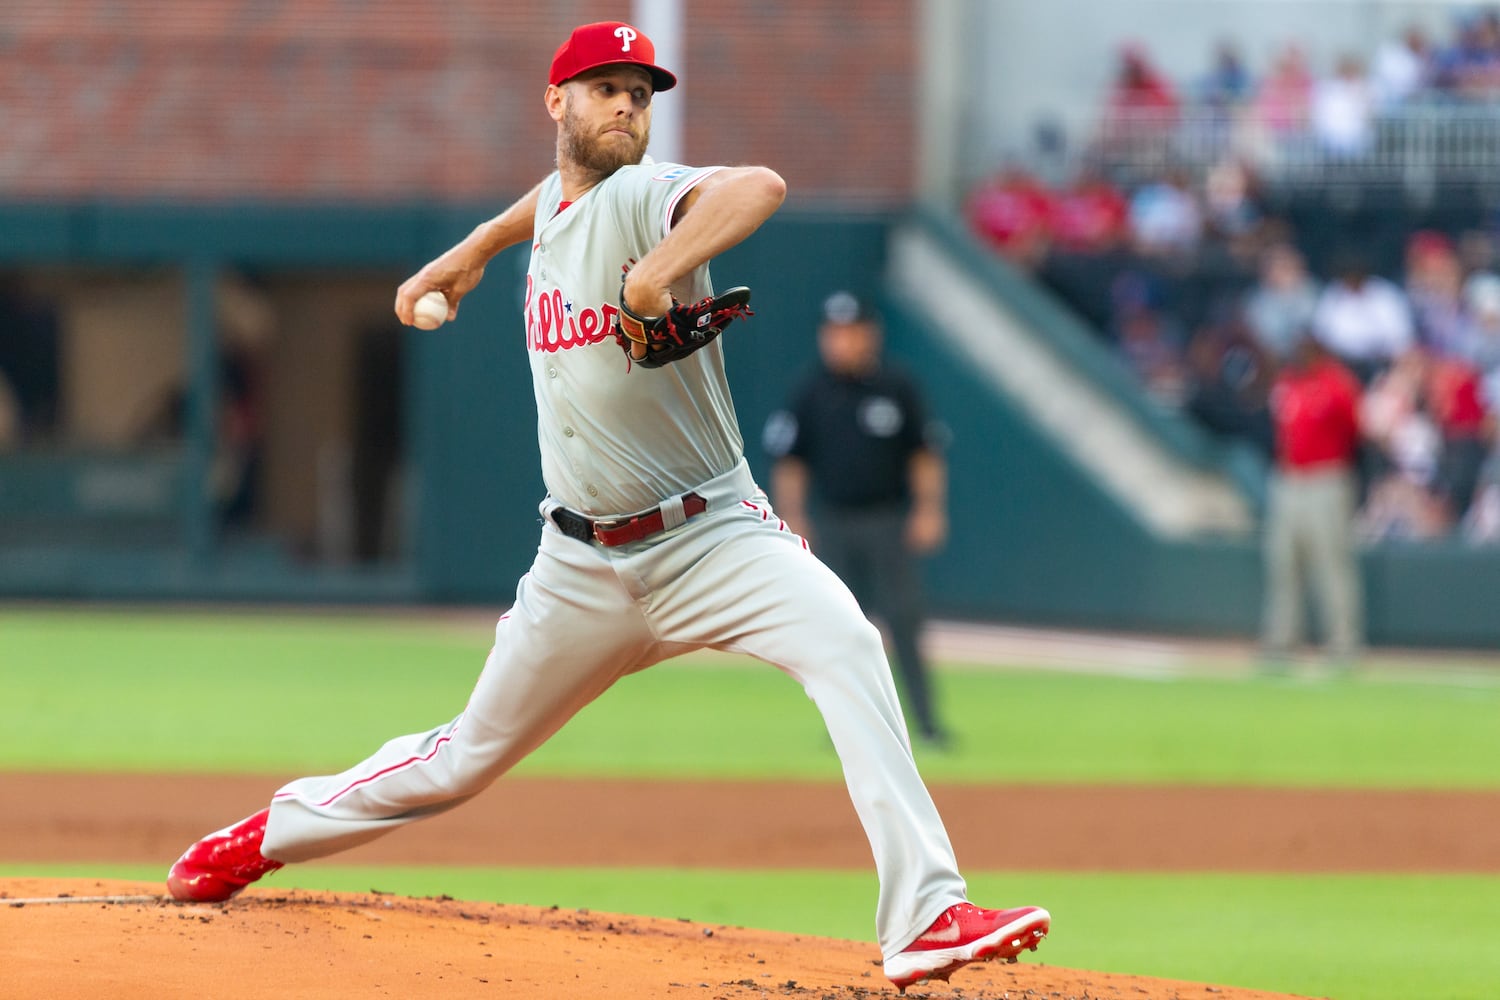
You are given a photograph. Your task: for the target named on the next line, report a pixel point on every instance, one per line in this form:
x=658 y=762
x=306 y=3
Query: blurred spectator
x=1281 y=305
x=1434 y=287
x=1362 y=318
x=1457 y=403
x=1429 y=418
x=1228 y=83
x=1011 y=213
x=1229 y=379
x=1401 y=69
x=1480 y=342
x=1469 y=69
x=1476 y=251
x=1165 y=219
x=1219 y=96
x=1151 y=353
x=1309 y=534
x=1342 y=110
x=1147 y=338
x=1141 y=109
x=1232 y=207
x=1281 y=105
x=1485 y=77
x=1397 y=417
x=1090 y=215
x=1141 y=93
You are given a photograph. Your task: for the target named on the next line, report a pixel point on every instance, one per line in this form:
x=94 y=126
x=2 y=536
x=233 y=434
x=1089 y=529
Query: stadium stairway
x=1157 y=465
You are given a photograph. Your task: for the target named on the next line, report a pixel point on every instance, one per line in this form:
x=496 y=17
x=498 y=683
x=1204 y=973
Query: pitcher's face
x=605 y=121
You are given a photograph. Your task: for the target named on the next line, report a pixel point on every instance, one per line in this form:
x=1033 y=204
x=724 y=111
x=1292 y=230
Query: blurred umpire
x=857 y=451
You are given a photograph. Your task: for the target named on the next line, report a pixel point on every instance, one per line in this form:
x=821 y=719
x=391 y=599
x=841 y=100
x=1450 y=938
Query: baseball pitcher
x=656 y=540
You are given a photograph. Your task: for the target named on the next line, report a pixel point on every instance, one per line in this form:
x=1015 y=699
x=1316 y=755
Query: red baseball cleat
x=963 y=934
x=223 y=863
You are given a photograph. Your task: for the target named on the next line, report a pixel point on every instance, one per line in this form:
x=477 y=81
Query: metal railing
x=1417 y=147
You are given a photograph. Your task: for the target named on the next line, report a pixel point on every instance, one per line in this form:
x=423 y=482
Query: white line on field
x=45 y=900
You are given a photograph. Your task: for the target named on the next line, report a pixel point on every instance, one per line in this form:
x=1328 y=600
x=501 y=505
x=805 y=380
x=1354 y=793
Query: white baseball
x=430 y=312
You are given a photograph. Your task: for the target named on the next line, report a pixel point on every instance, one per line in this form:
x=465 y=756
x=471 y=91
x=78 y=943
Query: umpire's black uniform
x=856 y=435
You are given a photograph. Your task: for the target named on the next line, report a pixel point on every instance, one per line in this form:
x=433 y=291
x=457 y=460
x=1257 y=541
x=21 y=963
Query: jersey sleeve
x=644 y=198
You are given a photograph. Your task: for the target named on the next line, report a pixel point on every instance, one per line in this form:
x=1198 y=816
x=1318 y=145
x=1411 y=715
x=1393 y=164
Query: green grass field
x=146 y=691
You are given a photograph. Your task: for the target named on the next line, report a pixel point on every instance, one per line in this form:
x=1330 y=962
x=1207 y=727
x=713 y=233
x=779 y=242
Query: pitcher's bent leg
x=552 y=656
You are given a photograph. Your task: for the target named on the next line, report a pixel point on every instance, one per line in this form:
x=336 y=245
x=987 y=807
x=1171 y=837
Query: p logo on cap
x=605 y=43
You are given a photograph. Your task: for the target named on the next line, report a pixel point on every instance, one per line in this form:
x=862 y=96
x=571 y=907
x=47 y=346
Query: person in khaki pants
x=1309 y=530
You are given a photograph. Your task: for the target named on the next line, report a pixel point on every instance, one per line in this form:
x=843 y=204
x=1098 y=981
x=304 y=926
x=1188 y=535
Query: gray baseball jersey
x=616 y=439
x=613 y=444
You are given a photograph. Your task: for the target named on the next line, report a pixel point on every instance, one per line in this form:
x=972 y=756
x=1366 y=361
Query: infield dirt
x=283 y=943
x=302 y=944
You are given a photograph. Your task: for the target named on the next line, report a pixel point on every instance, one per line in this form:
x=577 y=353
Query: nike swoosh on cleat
x=947 y=934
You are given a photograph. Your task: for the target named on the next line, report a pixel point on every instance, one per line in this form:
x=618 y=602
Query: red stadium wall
x=320 y=99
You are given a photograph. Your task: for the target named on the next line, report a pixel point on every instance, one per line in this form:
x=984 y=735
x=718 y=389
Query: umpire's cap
x=605 y=43
x=846 y=307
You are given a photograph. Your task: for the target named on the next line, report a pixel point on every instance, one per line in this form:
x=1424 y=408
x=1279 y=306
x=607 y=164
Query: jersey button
x=551 y=372
x=593 y=490
x=567 y=432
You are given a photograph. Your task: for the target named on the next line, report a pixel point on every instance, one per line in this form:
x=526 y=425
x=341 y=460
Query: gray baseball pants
x=732 y=579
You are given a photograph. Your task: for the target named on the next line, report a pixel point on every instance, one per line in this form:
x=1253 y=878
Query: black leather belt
x=610 y=532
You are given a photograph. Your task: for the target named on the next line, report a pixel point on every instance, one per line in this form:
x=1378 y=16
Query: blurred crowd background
x=1202 y=222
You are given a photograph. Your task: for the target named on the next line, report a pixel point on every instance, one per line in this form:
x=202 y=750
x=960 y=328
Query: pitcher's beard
x=597 y=154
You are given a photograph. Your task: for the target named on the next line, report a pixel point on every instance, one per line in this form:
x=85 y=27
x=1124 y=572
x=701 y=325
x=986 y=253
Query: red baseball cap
x=605 y=43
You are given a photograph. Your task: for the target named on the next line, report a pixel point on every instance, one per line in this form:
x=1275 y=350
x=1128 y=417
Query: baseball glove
x=684 y=328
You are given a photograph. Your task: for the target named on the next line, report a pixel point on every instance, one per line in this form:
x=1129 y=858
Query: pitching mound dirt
x=88 y=939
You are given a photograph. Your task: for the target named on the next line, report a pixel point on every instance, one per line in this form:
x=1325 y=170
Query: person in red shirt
x=1309 y=530
x=1012 y=213
x=1140 y=109
x=1090 y=215
x=1428 y=420
x=1141 y=94
x=1457 y=398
